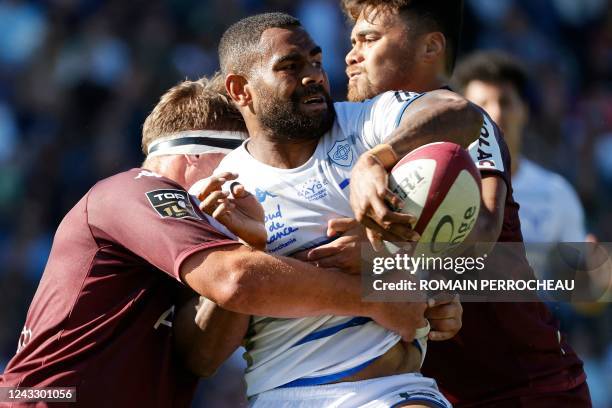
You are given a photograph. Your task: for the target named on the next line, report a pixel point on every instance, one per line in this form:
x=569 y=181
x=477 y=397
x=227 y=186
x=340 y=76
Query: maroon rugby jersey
x=504 y=350
x=101 y=319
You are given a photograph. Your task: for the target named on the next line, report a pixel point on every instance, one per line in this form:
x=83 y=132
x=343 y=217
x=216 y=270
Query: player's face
x=383 y=56
x=505 y=106
x=290 y=88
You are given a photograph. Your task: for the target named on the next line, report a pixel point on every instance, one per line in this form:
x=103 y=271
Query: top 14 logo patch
x=341 y=153
x=171 y=203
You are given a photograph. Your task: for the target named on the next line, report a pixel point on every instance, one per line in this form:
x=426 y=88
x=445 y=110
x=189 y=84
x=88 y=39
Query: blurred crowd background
x=78 y=77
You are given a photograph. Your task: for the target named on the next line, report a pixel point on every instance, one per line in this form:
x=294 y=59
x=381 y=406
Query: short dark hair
x=236 y=48
x=493 y=67
x=445 y=16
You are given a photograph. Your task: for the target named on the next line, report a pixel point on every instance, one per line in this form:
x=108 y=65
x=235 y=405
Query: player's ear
x=238 y=89
x=192 y=159
x=434 y=46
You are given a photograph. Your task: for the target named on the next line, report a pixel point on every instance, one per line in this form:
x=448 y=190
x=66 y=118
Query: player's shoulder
x=491 y=129
x=380 y=99
x=535 y=171
x=491 y=147
x=130 y=187
x=138 y=191
x=557 y=181
x=134 y=180
x=356 y=115
x=540 y=175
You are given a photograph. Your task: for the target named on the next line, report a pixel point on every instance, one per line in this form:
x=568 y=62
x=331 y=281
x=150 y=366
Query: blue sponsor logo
x=261 y=195
x=277 y=229
x=313 y=189
x=341 y=153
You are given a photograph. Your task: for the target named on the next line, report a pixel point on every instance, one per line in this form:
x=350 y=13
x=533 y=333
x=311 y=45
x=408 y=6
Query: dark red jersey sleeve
x=490 y=152
x=152 y=217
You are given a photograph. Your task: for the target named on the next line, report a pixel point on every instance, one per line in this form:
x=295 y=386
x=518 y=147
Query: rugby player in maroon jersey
x=102 y=317
x=506 y=354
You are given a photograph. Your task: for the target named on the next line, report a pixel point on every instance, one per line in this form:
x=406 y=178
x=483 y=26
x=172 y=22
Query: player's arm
x=490 y=221
x=252 y=282
x=433 y=117
x=437 y=116
x=206 y=335
x=444 y=314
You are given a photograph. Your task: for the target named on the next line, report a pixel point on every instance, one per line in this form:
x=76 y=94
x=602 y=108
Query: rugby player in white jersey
x=298 y=162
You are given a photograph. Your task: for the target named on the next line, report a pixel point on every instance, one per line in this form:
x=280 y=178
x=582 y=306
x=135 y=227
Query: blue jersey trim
x=344 y=183
x=330 y=331
x=399 y=116
x=301 y=382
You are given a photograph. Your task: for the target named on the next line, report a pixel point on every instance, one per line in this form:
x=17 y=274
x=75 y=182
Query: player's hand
x=344 y=252
x=401 y=318
x=241 y=214
x=344 y=226
x=370 y=197
x=444 y=315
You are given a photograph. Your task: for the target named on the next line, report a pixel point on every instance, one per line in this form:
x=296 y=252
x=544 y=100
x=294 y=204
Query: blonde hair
x=192 y=105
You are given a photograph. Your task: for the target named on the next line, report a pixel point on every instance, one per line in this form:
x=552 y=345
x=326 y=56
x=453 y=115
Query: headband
x=197 y=142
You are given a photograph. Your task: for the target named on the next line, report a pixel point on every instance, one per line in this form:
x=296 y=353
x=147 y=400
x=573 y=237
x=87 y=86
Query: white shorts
x=384 y=392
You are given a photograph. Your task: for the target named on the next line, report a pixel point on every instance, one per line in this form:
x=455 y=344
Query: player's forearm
x=439 y=116
x=490 y=220
x=206 y=335
x=290 y=288
x=481 y=240
x=486 y=228
x=255 y=283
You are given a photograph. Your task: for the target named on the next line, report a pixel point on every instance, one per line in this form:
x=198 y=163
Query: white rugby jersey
x=550 y=212
x=298 y=204
x=550 y=209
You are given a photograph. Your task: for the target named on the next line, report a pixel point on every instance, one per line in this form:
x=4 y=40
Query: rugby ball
x=440 y=185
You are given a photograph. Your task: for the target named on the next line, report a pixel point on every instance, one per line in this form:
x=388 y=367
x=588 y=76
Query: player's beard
x=361 y=90
x=287 y=122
